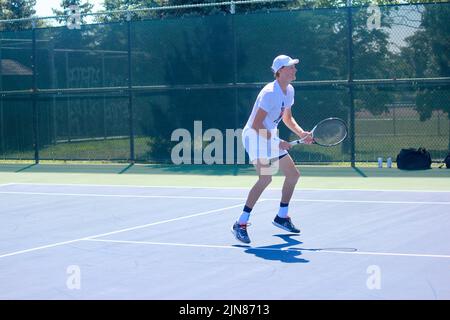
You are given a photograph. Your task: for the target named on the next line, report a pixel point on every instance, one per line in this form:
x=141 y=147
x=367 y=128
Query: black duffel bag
x=446 y=162
x=414 y=159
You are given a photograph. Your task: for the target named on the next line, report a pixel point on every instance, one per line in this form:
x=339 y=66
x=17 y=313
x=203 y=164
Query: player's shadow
x=281 y=252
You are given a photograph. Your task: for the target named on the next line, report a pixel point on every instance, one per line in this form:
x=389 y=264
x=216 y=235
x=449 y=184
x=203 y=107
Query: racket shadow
x=279 y=252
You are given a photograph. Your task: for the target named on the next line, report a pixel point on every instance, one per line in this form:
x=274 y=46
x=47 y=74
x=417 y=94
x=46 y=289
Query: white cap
x=282 y=61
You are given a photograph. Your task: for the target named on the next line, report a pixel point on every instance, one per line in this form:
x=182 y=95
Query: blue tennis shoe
x=240 y=232
x=285 y=224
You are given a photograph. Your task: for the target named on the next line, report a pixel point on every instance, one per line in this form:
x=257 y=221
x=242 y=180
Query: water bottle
x=389 y=162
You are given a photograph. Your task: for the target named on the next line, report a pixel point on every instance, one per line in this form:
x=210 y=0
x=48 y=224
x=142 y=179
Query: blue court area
x=117 y=242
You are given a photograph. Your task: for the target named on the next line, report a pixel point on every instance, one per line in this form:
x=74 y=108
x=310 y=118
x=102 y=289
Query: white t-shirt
x=272 y=100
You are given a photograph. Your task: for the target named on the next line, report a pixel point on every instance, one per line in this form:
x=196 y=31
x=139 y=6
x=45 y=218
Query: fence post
x=394 y=118
x=235 y=90
x=53 y=85
x=34 y=94
x=439 y=123
x=104 y=98
x=130 y=94
x=350 y=82
x=2 y=135
x=68 y=107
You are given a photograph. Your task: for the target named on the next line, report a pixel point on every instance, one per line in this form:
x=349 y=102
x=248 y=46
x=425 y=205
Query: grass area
x=101 y=165
x=243 y=181
x=368 y=148
x=94 y=150
x=403 y=126
x=315 y=177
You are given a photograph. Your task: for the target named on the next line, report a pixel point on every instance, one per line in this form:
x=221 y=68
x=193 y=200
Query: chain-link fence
x=118 y=90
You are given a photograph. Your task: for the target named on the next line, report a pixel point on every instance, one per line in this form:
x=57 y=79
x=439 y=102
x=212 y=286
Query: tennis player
x=265 y=149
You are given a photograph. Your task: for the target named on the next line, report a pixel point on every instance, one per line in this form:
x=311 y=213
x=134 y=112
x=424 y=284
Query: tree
x=112 y=5
x=428 y=54
x=199 y=52
x=84 y=8
x=15 y=9
x=73 y=38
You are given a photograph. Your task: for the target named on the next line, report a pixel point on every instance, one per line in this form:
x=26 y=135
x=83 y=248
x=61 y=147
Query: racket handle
x=293 y=143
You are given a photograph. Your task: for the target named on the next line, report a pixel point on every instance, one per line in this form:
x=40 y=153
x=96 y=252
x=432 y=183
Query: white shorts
x=258 y=147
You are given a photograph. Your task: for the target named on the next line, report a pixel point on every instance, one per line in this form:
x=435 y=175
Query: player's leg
x=239 y=229
x=291 y=173
x=263 y=170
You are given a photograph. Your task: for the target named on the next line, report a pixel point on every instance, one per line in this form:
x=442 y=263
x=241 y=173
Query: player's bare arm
x=258 y=124
x=290 y=122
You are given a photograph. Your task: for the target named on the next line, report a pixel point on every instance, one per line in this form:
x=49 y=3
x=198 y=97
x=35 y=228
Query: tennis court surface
x=81 y=241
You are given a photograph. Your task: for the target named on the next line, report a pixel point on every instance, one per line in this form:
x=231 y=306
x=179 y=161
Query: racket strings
x=330 y=132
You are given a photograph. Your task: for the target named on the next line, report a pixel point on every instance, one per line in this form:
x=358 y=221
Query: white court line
x=6 y=184
x=218 y=188
x=220 y=198
x=118 y=231
x=119 y=195
x=368 y=201
x=274 y=249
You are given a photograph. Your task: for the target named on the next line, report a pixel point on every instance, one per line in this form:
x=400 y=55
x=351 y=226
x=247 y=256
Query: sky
x=44 y=7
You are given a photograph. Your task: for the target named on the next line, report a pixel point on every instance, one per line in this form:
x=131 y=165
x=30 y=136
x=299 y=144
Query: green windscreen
x=121 y=90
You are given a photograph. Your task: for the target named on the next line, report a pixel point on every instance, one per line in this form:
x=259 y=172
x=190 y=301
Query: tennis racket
x=327 y=133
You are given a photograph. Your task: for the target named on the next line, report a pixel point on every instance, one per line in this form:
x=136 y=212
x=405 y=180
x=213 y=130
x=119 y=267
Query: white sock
x=243 y=219
x=283 y=212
